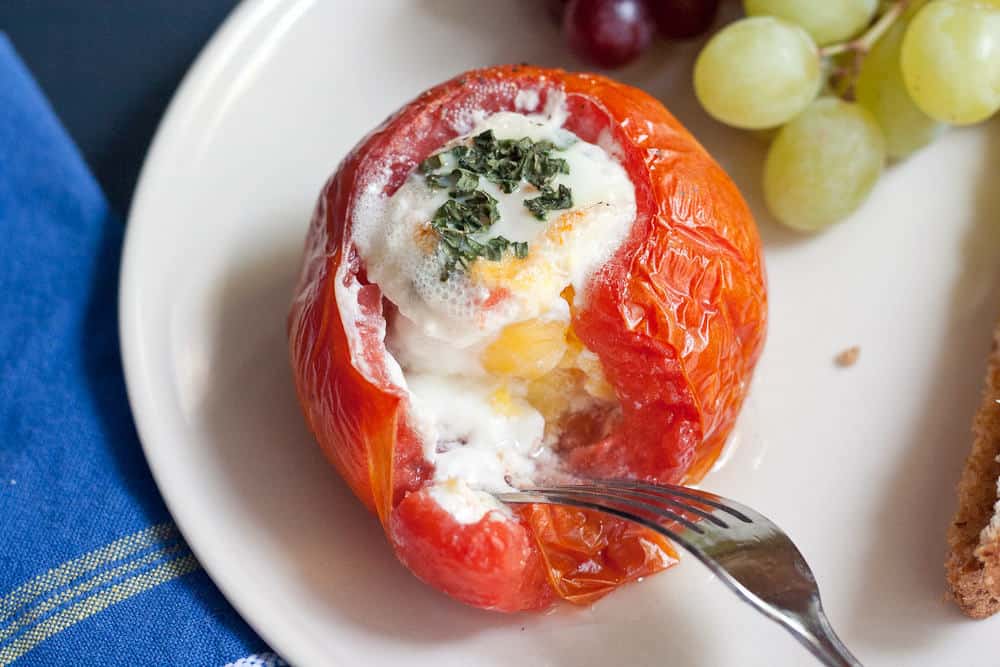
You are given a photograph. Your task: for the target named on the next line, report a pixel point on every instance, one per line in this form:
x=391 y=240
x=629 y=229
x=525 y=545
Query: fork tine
x=553 y=498
x=643 y=495
x=629 y=492
x=661 y=490
x=597 y=494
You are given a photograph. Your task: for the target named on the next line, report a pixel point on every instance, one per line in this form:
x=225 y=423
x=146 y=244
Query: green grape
x=881 y=90
x=827 y=21
x=951 y=60
x=823 y=164
x=757 y=72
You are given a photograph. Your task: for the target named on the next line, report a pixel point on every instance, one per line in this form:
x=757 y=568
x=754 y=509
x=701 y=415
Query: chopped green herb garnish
x=550 y=200
x=430 y=164
x=540 y=169
x=465 y=183
x=460 y=250
x=438 y=181
x=469 y=210
x=485 y=141
x=456 y=221
x=506 y=162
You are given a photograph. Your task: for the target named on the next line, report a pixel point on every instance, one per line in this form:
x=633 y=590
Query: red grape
x=607 y=33
x=677 y=19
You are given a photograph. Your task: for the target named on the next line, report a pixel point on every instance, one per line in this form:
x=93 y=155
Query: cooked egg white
x=480 y=433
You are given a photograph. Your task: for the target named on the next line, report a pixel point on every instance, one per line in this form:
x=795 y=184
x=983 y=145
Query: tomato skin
x=574 y=540
x=677 y=317
x=494 y=563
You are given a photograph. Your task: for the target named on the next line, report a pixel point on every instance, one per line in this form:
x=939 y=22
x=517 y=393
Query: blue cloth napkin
x=92 y=570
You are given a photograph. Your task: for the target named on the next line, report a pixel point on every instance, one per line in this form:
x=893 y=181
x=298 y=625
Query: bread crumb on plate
x=848 y=357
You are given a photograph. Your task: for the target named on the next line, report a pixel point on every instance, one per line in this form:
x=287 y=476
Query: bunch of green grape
x=851 y=84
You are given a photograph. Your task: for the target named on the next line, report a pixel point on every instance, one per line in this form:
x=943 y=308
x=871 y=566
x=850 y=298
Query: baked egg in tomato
x=525 y=276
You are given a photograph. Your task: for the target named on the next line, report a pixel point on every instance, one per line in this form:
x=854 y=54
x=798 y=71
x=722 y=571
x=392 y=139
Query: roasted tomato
x=635 y=365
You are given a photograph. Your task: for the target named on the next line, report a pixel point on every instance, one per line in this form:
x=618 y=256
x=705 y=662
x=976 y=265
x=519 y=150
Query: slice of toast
x=973 y=564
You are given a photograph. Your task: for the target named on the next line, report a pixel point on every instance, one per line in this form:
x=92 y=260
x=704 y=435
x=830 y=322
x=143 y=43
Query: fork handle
x=817 y=635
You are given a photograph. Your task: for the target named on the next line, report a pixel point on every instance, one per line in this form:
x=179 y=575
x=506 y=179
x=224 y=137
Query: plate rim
x=232 y=36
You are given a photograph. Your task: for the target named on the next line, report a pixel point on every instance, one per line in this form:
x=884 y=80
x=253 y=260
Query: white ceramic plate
x=857 y=464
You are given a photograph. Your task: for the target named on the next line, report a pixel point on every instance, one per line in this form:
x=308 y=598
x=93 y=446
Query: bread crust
x=973 y=563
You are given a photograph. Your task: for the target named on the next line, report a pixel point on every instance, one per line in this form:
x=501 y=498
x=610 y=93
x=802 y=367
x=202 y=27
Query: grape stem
x=843 y=77
x=866 y=40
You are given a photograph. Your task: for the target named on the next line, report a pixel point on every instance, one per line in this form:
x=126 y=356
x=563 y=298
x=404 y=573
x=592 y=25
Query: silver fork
x=747 y=551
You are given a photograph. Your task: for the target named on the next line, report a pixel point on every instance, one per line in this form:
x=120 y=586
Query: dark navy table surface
x=109 y=67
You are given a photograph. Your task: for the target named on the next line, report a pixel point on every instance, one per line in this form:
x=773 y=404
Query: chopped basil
x=550 y=200
x=438 y=181
x=506 y=162
x=430 y=164
x=469 y=210
x=456 y=221
x=465 y=183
